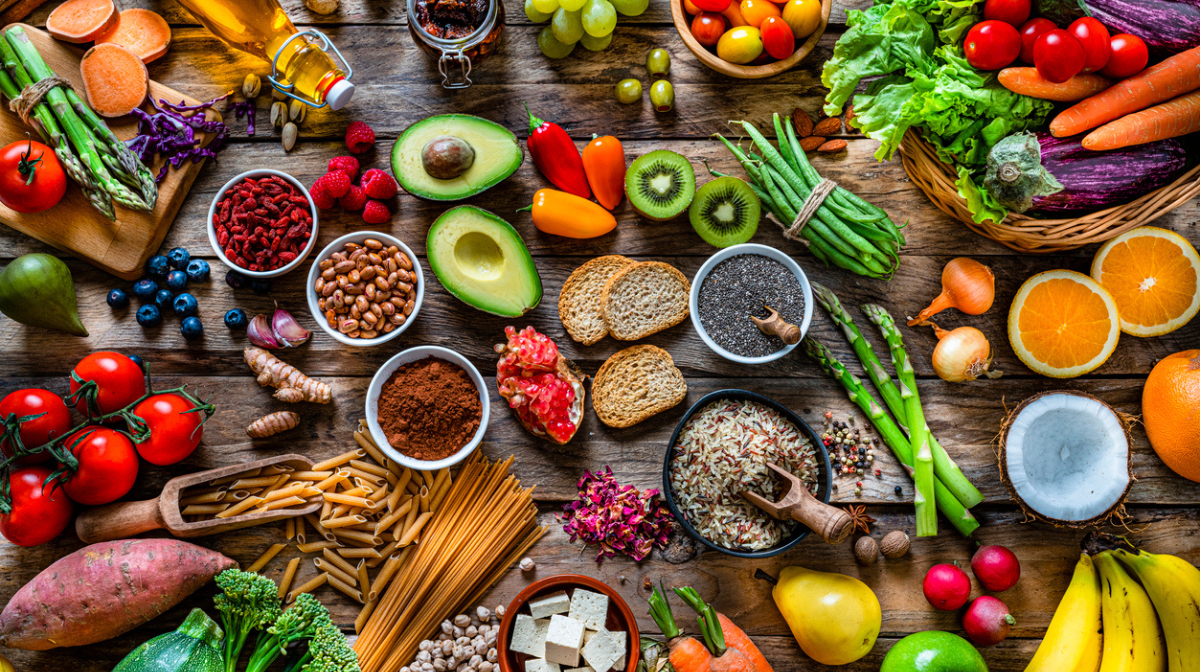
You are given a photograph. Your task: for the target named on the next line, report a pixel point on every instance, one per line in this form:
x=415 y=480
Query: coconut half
x=1065 y=458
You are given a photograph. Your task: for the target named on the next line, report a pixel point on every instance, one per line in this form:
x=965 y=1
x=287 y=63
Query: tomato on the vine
x=108 y=465
x=31 y=178
x=54 y=421
x=708 y=27
x=1058 y=56
x=1129 y=56
x=1030 y=32
x=174 y=431
x=778 y=39
x=991 y=45
x=39 y=513
x=120 y=381
x=1094 y=39
x=1012 y=12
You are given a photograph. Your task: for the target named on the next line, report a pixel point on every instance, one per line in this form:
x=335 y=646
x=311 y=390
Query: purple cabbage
x=619 y=518
x=172 y=133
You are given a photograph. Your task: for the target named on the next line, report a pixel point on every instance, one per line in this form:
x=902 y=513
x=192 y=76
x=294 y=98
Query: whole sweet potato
x=104 y=590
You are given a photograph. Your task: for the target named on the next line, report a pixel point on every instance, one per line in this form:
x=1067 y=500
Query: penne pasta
x=240 y=507
x=308 y=586
x=352 y=592
x=289 y=574
x=265 y=557
x=204 y=509
x=339 y=460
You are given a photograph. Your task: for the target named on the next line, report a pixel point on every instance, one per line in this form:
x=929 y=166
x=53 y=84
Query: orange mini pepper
x=562 y=214
x=604 y=163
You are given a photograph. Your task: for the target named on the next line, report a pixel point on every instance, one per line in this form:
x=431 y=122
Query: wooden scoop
x=833 y=524
x=126 y=519
x=775 y=325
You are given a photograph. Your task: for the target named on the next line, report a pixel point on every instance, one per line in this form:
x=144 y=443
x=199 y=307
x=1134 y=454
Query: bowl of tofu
x=568 y=623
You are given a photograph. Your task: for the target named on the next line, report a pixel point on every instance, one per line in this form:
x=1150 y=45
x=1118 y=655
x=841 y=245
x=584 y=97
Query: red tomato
x=108 y=465
x=38 y=515
x=1129 y=56
x=54 y=420
x=708 y=27
x=31 y=179
x=1094 y=39
x=119 y=379
x=1058 y=56
x=778 y=39
x=991 y=45
x=1030 y=32
x=1012 y=12
x=712 y=5
x=174 y=433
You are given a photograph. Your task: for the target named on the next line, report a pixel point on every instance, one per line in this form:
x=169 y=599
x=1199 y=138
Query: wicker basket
x=1040 y=236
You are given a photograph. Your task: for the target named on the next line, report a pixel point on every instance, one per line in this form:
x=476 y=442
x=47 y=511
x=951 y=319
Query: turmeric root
x=272 y=424
x=292 y=385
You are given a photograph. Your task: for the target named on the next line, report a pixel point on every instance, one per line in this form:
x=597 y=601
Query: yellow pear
x=834 y=617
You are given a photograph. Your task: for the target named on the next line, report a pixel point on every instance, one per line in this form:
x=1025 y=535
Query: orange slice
x=1063 y=324
x=1154 y=276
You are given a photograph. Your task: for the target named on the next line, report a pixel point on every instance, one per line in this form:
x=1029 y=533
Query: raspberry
x=346 y=164
x=320 y=197
x=354 y=200
x=379 y=184
x=335 y=182
x=359 y=137
x=376 y=213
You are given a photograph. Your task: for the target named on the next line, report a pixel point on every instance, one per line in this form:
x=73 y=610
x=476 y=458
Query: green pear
x=37 y=290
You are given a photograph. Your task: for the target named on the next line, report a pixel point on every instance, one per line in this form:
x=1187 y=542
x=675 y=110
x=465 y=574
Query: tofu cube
x=563 y=640
x=545 y=607
x=585 y=668
x=604 y=649
x=539 y=665
x=589 y=607
x=622 y=639
x=529 y=636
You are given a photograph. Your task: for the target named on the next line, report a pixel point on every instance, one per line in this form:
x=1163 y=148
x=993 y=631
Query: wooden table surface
x=397 y=85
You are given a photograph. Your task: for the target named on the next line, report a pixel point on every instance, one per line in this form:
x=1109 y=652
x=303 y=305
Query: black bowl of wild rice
x=719 y=449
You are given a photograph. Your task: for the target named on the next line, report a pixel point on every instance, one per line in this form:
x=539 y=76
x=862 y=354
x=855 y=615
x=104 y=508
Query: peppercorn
x=899 y=491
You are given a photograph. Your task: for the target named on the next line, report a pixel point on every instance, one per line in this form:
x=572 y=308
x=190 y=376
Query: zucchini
x=193 y=647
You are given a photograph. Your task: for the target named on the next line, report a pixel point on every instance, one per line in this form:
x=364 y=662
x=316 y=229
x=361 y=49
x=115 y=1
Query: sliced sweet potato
x=144 y=32
x=115 y=79
x=80 y=21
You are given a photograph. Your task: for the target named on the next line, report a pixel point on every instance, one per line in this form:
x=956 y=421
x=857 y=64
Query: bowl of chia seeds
x=739 y=283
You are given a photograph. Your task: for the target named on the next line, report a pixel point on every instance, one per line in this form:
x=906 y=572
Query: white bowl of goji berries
x=262 y=199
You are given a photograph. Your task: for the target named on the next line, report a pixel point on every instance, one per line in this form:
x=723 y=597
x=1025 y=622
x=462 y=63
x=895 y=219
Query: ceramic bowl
x=411 y=355
x=799 y=531
x=766 y=251
x=337 y=245
x=220 y=252
x=620 y=617
x=683 y=23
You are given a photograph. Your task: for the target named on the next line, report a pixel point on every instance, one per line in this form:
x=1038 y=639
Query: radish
x=946 y=587
x=996 y=567
x=987 y=621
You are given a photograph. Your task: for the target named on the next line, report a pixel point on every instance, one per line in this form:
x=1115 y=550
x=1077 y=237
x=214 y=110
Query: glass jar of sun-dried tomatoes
x=459 y=34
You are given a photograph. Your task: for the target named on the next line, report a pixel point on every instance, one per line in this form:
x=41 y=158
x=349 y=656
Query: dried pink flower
x=619 y=518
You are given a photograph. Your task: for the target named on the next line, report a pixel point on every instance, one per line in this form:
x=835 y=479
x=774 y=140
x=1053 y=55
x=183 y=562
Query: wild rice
x=723 y=450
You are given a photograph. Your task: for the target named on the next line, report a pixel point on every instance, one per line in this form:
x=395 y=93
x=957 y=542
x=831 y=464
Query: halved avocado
x=496 y=150
x=481 y=259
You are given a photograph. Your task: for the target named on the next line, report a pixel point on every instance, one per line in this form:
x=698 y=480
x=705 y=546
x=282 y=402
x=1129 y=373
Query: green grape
x=566 y=26
x=533 y=13
x=546 y=7
x=571 y=5
x=551 y=47
x=599 y=18
x=662 y=96
x=628 y=91
x=631 y=7
x=658 y=62
x=596 y=43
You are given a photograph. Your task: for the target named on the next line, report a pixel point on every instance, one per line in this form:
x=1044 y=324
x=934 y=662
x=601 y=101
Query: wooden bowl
x=683 y=27
x=620 y=617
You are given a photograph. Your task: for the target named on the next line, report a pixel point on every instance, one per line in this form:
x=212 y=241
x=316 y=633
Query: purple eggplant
x=1096 y=180
x=1167 y=26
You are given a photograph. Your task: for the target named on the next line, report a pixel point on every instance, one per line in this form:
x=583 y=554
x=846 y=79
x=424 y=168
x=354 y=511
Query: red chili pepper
x=554 y=154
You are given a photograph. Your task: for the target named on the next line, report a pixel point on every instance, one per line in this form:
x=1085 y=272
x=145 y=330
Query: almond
x=830 y=126
x=811 y=143
x=849 y=114
x=802 y=122
x=832 y=147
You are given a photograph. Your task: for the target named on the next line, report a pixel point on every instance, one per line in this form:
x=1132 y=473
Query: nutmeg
x=866 y=551
x=894 y=545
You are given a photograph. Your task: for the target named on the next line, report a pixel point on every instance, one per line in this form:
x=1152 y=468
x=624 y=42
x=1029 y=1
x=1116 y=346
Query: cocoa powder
x=429 y=409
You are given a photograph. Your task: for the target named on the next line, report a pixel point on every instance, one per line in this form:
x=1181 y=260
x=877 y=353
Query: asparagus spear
x=958 y=515
x=130 y=168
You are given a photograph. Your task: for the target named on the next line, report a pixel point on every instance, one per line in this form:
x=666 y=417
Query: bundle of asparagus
x=90 y=153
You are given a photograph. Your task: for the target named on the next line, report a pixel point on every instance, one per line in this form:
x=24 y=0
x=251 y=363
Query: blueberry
x=117 y=298
x=158 y=266
x=185 y=305
x=139 y=361
x=236 y=319
x=260 y=285
x=235 y=280
x=178 y=257
x=145 y=289
x=148 y=316
x=191 y=328
x=197 y=270
x=163 y=299
x=177 y=280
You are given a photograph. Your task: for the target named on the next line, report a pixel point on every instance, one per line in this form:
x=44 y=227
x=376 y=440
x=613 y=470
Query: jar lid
x=340 y=93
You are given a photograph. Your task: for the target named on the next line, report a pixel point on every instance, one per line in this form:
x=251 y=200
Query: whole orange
x=1171 y=412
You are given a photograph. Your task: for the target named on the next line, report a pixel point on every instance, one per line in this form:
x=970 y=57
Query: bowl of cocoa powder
x=427 y=408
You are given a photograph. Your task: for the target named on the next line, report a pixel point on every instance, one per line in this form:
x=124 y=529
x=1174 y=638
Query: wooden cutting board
x=120 y=247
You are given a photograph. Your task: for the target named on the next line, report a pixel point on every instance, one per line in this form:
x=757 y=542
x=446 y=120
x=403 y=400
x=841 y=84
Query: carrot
x=1027 y=82
x=144 y=32
x=80 y=21
x=736 y=638
x=115 y=79
x=689 y=655
x=1175 y=76
x=1169 y=120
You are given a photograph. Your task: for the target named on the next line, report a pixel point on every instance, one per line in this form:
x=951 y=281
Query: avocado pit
x=446 y=157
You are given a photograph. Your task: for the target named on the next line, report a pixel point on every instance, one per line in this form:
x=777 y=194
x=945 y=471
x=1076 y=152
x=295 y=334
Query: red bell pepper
x=554 y=154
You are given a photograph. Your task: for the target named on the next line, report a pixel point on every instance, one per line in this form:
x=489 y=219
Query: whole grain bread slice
x=636 y=383
x=579 y=301
x=644 y=299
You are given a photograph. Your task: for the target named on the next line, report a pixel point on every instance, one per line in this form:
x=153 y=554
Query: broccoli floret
x=327 y=652
x=300 y=622
x=248 y=602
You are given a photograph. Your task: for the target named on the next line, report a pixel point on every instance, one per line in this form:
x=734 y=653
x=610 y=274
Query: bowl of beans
x=262 y=223
x=365 y=288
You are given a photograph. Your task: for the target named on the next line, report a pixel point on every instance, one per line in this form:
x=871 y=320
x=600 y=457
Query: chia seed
x=742 y=286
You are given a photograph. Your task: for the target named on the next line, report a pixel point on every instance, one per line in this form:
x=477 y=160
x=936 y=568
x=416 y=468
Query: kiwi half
x=725 y=212
x=660 y=185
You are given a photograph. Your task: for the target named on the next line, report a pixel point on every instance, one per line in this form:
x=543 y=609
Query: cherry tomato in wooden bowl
x=1012 y=12
x=175 y=428
x=1095 y=40
x=1129 y=56
x=712 y=5
x=31 y=178
x=991 y=45
x=108 y=466
x=40 y=511
x=1030 y=32
x=803 y=17
x=53 y=420
x=778 y=39
x=708 y=27
x=740 y=45
x=119 y=381
x=691 y=8
x=1058 y=56
x=757 y=11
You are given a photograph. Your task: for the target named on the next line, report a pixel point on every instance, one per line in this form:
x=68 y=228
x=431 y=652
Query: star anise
x=860 y=519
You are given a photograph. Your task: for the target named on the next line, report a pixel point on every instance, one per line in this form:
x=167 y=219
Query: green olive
x=629 y=91
x=662 y=96
x=658 y=63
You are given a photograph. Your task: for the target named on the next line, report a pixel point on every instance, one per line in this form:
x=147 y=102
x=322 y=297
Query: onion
x=962 y=355
x=966 y=285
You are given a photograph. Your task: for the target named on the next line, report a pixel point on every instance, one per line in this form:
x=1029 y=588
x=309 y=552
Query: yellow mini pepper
x=562 y=214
